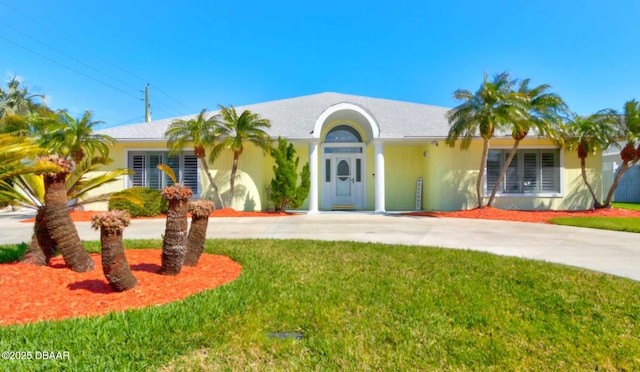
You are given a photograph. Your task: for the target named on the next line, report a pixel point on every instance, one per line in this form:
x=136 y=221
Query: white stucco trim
x=379 y=177
x=313 y=170
x=344 y=106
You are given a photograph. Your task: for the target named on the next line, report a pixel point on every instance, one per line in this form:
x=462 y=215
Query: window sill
x=519 y=195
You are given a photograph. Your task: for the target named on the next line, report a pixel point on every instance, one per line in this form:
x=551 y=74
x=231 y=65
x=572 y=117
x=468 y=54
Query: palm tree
x=174 y=245
x=492 y=106
x=17 y=100
x=630 y=131
x=114 y=263
x=589 y=135
x=75 y=139
x=200 y=211
x=544 y=114
x=59 y=223
x=200 y=132
x=233 y=131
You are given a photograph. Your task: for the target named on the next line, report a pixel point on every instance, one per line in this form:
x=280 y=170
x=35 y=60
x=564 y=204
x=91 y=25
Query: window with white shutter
x=530 y=172
x=147 y=174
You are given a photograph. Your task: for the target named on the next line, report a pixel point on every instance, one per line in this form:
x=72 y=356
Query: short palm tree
x=59 y=223
x=589 y=135
x=492 y=106
x=75 y=138
x=200 y=211
x=200 y=132
x=114 y=263
x=630 y=131
x=544 y=112
x=233 y=131
x=174 y=244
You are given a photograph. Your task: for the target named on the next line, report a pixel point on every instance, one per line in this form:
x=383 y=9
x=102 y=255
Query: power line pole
x=147 y=105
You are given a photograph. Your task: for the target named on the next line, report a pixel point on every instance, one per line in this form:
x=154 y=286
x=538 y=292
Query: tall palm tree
x=75 y=138
x=17 y=100
x=544 y=114
x=589 y=135
x=492 y=106
x=200 y=132
x=234 y=130
x=630 y=131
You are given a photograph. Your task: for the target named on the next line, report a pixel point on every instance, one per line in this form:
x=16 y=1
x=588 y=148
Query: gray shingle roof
x=294 y=118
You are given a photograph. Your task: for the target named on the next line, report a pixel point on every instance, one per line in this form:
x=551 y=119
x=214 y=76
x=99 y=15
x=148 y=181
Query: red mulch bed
x=85 y=216
x=31 y=293
x=489 y=213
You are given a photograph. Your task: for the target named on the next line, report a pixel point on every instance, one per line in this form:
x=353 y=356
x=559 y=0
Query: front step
x=343 y=208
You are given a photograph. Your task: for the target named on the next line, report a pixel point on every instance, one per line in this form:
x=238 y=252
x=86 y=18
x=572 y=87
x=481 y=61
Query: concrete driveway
x=616 y=253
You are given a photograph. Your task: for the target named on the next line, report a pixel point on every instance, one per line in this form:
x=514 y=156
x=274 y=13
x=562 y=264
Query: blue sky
x=99 y=55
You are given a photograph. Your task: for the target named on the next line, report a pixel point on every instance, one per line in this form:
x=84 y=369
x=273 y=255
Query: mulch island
x=63 y=293
x=490 y=213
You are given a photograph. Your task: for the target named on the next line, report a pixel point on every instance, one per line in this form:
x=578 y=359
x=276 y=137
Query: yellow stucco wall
x=255 y=171
x=403 y=165
x=453 y=172
x=449 y=176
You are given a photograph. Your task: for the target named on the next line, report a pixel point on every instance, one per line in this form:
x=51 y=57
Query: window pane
x=512 y=180
x=154 y=174
x=174 y=163
x=343 y=133
x=530 y=172
x=358 y=170
x=343 y=150
x=493 y=169
x=327 y=168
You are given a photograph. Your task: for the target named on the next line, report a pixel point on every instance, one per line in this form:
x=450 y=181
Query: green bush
x=153 y=203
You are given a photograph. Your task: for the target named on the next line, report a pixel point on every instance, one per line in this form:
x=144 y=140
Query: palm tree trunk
x=596 y=203
x=216 y=191
x=483 y=165
x=174 y=245
x=196 y=239
x=623 y=168
x=42 y=247
x=60 y=225
x=503 y=172
x=114 y=263
x=232 y=181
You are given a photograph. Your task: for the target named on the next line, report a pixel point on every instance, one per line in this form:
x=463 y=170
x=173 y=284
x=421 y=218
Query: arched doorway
x=362 y=122
x=343 y=167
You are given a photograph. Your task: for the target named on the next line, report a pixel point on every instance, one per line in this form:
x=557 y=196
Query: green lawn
x=629 y=224
x=632 y=206
x=360 y=307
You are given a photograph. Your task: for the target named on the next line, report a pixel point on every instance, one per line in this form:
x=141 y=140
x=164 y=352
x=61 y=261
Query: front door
x=344 y=180
x=347 y=188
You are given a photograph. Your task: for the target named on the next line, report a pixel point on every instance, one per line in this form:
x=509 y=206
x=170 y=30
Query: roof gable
x=294 y=118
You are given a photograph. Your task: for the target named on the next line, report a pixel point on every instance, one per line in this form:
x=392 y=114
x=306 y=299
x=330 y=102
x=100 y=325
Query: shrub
x=285 y=189
x=153 y=203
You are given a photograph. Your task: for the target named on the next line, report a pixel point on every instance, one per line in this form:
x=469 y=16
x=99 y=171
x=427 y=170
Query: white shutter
x=190 y=173
x=493 y=170
x=138 y=164
x=549 y=172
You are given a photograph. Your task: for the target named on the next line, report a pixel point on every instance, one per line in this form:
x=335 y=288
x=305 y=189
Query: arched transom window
x=343 y=134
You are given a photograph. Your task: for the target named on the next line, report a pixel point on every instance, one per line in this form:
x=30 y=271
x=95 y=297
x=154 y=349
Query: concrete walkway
x=611 y=252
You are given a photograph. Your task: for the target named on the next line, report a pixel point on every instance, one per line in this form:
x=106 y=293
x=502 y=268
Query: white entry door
x=347 y=187
x=344 y=180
